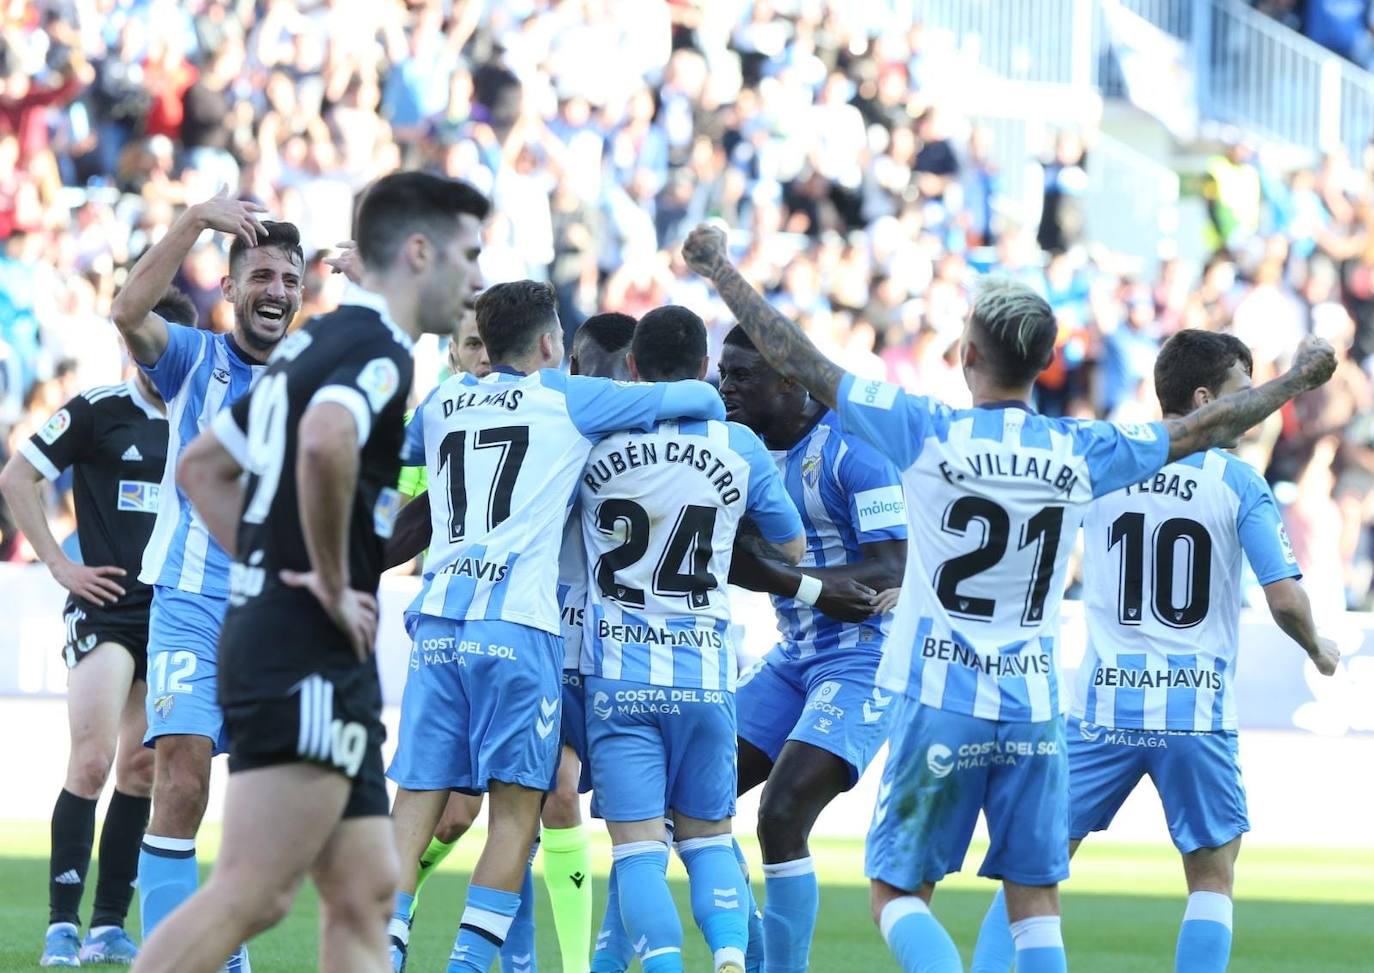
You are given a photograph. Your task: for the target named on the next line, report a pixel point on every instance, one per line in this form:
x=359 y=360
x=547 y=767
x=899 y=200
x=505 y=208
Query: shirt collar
x=507 y=370
x=356 y=296
x=142 y=401
x=1007 y=404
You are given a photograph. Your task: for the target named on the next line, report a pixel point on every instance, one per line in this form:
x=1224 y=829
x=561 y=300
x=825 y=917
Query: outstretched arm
x=1225 y=419
x=778 y=340
x=145 y=332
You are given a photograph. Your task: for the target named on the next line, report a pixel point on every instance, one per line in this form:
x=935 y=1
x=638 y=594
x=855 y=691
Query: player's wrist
x=809 y=589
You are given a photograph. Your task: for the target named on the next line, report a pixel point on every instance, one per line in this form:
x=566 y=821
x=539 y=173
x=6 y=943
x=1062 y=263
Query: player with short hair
x=660 y=512
x=1162 y=592
x=599 y=347
x=508 y=450
x=810 y=718
x=199 y=374
x=319 y=441
x=114 y=438
x=972 y=651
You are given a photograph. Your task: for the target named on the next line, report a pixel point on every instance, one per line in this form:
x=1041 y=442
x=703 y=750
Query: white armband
x=809 y=590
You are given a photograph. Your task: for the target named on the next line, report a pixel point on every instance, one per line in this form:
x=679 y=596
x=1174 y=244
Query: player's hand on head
x=1327 y=657
x=846 y=600
x=347 y=262
x=228 y=215
x=1314 y=362
x=95 y=584
x=705 y=249
x=354 y=612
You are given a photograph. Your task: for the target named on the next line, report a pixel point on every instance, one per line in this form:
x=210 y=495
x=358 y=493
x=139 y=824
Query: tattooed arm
x=779 y=341
x=1224 y=420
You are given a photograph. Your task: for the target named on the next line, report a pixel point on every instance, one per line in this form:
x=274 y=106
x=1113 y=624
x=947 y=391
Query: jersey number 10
x=1128 y=531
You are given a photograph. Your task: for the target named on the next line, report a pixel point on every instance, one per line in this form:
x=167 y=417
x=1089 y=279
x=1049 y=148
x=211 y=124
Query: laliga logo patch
x=601 y=705
x=1286 y=546
x=1089 y=732
x=56 y=426
x=1141 y=432
x=378 y=381
x=939 y=760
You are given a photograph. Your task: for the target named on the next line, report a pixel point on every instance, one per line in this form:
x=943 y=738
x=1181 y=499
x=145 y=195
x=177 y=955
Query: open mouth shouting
x=271 y=313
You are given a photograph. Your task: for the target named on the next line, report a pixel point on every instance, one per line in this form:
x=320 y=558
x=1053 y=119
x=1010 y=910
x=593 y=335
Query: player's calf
x=1204 y=938
x=356 y=875
x=720 y=898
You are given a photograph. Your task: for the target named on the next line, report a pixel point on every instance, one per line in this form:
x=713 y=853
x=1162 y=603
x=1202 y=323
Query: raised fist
x=1314 y=362
x=705 y=249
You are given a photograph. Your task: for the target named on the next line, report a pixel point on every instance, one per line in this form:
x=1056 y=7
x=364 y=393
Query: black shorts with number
x=328 y=718
x=88 y=627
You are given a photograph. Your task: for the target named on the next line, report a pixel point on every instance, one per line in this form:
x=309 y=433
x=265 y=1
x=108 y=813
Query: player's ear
x=417 y=252
x=704 y=368
x=226 y=287
x=1201 y=396
x=630 y=364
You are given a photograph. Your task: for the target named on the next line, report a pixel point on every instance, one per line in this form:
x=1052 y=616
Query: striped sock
x=487 y=919
x=1039 y=945
x=1204 y=939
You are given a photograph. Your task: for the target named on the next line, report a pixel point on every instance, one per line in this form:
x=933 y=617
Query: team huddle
x=572 y=631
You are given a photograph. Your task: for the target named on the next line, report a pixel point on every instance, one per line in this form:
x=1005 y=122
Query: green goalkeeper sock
x=568 y=877
x=429 y=861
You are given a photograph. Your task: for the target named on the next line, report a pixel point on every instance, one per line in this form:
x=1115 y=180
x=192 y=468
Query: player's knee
x=562 y=809
x=457 y=819
x=362 y=901
x=89 y=769
x=181 y=788
x=134 y=772
x=784 y=822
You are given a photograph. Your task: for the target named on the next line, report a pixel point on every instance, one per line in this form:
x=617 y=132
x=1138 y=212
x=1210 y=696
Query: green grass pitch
x=1308 y=910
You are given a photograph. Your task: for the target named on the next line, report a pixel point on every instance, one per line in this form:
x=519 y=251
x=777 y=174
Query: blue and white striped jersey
x=572 y=589
x=847 y=495
x=504 y=455
x=659 y=515
x=199 y=374
x=997 y=494
x=1162 y=589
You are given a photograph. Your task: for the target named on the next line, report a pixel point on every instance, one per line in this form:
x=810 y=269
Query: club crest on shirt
x=163 y=705
x=55 y=427
x=811 y=469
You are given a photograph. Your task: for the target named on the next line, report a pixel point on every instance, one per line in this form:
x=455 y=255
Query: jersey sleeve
x=183 y=346
x=877 y=506
x=1262 y=536
x=767 y=503
x=64 y=439
x=365 y=383
x=230 y=427
x=1119 y=454
x=599 y=407
x=413 y=448
x=887 y=417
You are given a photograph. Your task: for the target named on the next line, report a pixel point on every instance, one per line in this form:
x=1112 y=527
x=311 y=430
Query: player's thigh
x=928 y=798
x=805 y=779
x=1027 y=803
x=633 y=832
x=1199 y=782
x=134 y=761
x=277 y=821
x=845 y=713
x=686 y=827
x=768 y=704
x=1104 y=767
x=97 y=690
x=699 y=737
x=626 y=750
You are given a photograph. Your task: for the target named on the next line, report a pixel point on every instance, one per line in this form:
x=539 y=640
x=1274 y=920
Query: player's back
x=995 y=496
x=199 y=374
x=659 y=515
x=1162 y=591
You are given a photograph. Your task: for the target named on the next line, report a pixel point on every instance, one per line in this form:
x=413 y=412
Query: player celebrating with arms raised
x=972 y=654
x=320 y=442
x=1154 y=694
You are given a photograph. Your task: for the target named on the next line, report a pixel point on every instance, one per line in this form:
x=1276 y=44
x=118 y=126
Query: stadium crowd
x=602 y=131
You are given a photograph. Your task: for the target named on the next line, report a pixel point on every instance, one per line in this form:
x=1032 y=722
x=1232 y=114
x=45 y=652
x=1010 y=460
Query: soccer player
x=1162 y=570
x=319 y=440
x=660 y=512
x=114 y=439
x=810 y=718
x=198 y=373
x=600 y=345
x=482 y=702
x=971 y=655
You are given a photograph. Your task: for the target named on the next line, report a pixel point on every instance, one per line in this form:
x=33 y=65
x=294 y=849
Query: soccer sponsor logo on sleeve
x=54 y=428
x=880 y=509
x=939 y=760
x=877 y=395
x=1141 y=432
x=378 y=380
x=384 y=513
x=1286 y=546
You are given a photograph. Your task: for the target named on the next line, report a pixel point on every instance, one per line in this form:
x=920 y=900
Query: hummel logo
x=69 y=877
x=577 y=878
x=548 y=707
x=132 y=455
x=873 y=711
x=545 y=726
x=880 y=810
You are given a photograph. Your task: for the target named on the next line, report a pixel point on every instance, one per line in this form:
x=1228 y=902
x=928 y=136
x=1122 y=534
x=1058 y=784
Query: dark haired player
x=114 y=438
x=972 y=653
x=199 y=374
x=319 y=439
x=810 y=717
x=1162 y=569
x=504 y=455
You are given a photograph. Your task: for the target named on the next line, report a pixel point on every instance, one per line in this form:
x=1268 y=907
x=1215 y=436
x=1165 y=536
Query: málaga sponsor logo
x=652 y=700
x=941 y=761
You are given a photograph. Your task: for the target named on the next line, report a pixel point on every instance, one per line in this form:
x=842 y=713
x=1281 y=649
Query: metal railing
x=1249 y=70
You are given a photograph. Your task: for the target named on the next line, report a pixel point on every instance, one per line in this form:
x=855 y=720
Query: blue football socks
x=753 y=956
x=995 y=950
x=1039 y=945
x=917 y=939
x=646 y=905
x=720 y=901
x=1204 y=939
x=486 y=923
x=167 y=877
x=790 y=900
